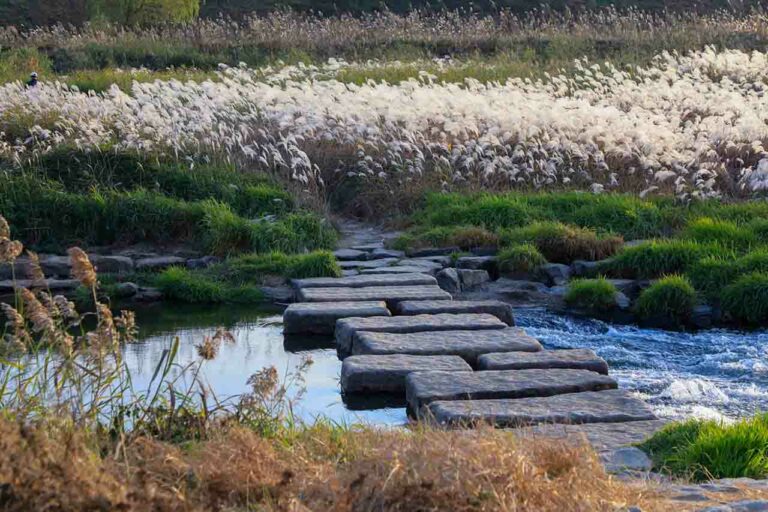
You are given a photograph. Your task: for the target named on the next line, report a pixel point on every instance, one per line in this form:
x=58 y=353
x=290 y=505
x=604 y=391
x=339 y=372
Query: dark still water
x=714 y=373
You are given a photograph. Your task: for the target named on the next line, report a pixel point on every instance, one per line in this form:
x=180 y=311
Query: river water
x=711 y=374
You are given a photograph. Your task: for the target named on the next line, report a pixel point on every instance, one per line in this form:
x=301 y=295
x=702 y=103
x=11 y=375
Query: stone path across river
x=455 y=362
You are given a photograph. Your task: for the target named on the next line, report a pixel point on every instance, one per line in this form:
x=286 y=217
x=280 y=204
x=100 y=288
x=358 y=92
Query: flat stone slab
x=385 y=253
x=346 y=328
x=579 y=358
x=419 y=262
x=612 y=406
x=399 y=269
x=369 y=247
x=602 y=436
x=391 y=294
x=423 y=388
x=497 y=308
x=362 y=281
x=320 y=317
x=387 y=374
x=9 y=286
x=350 y=255
x=469 y=345
x=383 y=262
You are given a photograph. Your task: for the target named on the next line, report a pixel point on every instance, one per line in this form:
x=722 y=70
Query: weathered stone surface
x=148 y=295
x=448 y=279
x=384 y=262
x=445 y=261
x=363 y=281
x=622 y=301
x=583 y=268
x=487 y=263
x=499 y=309
x=602 y=436
x=391 y=294
x=350 y=272
x=19 y=269
x=8 y=286
x=57 y=266
x=126 y=290
x=369 y=247
x=350 y=255
x=377 y=254
x=346 y=328
x=280 y=293
x=159 y=263
x=469 y=345
x=320 y=317
x=433 y=251
x=425 y=387
x=114 y=264
x=387 y=373
x=204 y=262
x=702 y=316
x=399 y=269
x=555 y=274
x=472 y=278
x=579 y=358
x=512 y=291
x=739 y=506
x=627 y=458
x=629 y=287
x=422 y=262
x=611 y=406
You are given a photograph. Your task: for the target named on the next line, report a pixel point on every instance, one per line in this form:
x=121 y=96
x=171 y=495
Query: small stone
x=448 y=279
x=627 y=458
x=159 y=263
x=622 y=301
x=350 y=255
x=555 y=274
x=472 y=278
x=126 y=290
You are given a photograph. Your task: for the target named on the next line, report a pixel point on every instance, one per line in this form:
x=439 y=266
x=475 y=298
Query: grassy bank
x=707 y=251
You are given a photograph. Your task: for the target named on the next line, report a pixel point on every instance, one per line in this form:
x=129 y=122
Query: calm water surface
x=709 y=374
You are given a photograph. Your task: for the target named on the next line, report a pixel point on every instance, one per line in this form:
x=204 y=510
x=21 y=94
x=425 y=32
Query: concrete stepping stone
x=350 y=255
x=612 y=406
x=432 y=251
x=423 y=388
x=469 y=345
x=580 y=358
x=602 y=436
x=399 y=269
x=391 y=294
x=347 y=327
x=385 y=253
x=361 y=281
x=320 y=317
x=418 y=262
x=387 y=373
x=383 y=262
x=368 y=247
x=497 y=308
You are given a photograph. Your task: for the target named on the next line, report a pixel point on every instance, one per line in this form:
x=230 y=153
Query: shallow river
x=708 y=374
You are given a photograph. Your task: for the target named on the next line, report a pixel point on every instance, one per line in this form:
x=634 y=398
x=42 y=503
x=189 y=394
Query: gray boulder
x=472 y=278
x=126 y=290
x=201 y=263
x=56 y=266
x=554 y=274
x=448 y=279
x=350 y=255
x=158 y=263
x=112 y=264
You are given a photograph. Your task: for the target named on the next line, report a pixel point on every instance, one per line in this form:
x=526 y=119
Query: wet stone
x=469 y=345
x=391 y=294
x=365 y=373
x=362 y=281
x=580 y=358
x=499 y=309
x=399 y=269
x=612 y=406
x=384 y=262
x=346 y=328
x=426 y=387
x=321 y=317
x=350 y=255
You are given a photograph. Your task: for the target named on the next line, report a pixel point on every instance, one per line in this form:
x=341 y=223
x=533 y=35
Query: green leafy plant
x=671 y=299
x=595 y=296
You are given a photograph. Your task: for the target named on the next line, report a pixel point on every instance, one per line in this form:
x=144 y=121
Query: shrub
x=670 y=300
x=725 y=233
x=184 y=285
x=592 y=295
x=251 y=267
x=627 y=216
x=710 y=274
x=560 y=243
x=659 y=257
x=746 y=300
x=520 y=258
x=701 y=450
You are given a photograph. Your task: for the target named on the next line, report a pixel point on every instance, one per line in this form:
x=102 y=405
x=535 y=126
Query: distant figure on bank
x=32 y=80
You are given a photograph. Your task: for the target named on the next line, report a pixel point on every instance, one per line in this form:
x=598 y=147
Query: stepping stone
x=350 y=255
x=385 y=253
x=499 y=309
x=320 y=317
x=477 y=263
x=602 y=436
x=399 y=269
x=387 y=373
x=347 y=327
x=423 y=388
x=467 y=344
x=363 y=281
x=391 y=294
x=433 y=251
x=417 y=262
x=368 y=247
x=612 y=406
x=384 y=262
x=580 y=358
x=350 y=272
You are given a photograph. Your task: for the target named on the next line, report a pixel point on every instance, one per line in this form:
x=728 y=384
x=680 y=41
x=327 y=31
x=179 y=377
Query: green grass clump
x=721 y=232
x=659 y=257
x=463 y=237
x=703 y=450
x=710 y=275
x=670 y=299
x=250 y=267
x=560 y=243
x=746 y=300
x=520 y=258
x=489 y=211
x=185 y=285
x=628 y=216
x=592 y=295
